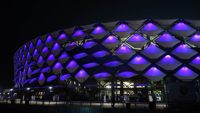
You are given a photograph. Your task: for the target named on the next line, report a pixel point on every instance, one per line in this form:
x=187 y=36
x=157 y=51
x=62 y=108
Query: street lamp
x=11 y=89
x=28 y=89
x=50 y=87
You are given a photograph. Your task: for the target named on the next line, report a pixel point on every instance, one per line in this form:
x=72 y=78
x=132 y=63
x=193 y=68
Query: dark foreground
x=12 y=108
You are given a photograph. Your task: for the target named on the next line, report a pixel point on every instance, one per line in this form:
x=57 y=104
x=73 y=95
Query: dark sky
x=22 y=21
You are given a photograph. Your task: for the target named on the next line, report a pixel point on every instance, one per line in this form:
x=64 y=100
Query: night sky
x=23 y=21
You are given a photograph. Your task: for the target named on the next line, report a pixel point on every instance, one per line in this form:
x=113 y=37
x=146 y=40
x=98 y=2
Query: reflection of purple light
x=196 y=60
x=80 y=55
x=124 y=49
x=40 y=60
x=49 y=39
x=72 y=64
x=126 y=74
x=47 y=69
x=184 y=71
x=99 y=54
x=65 y=77
x=153 y=71
x=89 y=44
x=122 y=28
x=62 y=36
x=111 y=39
x=78 y=33
x=150 y=27
x=51 y=58
x=56 y=47
x=35 y=52
x=98 y=30
x=31 y=46
x=39 y=42
x=58 y=66
x=195 y=38
x=183 y=49
x=112 y=63
x=102 y=75
x=181 y=26
x=152 y=49
x=90 y=65
x=81 y=74
x=166 y=37
x=51 y=78
x=45 y=50
x=41 y=77
x=63 y=56
x=136 y=38
x=138 y=60
x=168 y=60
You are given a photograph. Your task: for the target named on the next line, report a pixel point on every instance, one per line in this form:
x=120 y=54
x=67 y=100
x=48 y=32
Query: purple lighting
x=195 y=38
x=56 y=49
x=62 y=36
x=126 y=74
x=154 y=74
x=168 y=63
x=153 y=52
x=150 y=27
x=138 y=60
x=78 y=33
x=81 y=75
x=183 y=51
x=41 y=79
x=100 y=54
x=122 y=28
x=101 y=75
x=181 y=27
x=72 y=64
x=136 y=38
x=185 y=73
x=98 y=30
x=80 y=55
x=51 y=59
x=168 y=60
x=51 y=78
x=124 y=49
x=89 y=44
x=57 y=68
x=112 y=64
x=65 y=77
x=167 y=40
x=196 y=62
x=90 y=65
x=39 y=43
x=153 y=71
x=63 y=57
x=49 y=40
x=40 y=61
x=45 y=51
x=111 y=39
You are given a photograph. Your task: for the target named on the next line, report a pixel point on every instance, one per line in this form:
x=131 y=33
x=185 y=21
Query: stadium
x=132 y=61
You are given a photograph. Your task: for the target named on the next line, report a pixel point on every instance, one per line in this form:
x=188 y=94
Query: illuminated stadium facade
x=108 y=61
